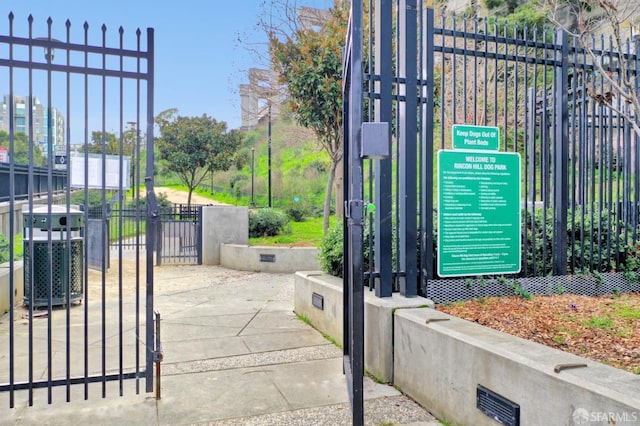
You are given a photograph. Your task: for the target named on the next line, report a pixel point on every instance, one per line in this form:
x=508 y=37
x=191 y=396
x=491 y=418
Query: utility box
x=59 y=269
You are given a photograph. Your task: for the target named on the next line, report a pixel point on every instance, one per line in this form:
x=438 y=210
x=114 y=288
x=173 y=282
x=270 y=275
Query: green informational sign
x=476 y=137
x=478 y=213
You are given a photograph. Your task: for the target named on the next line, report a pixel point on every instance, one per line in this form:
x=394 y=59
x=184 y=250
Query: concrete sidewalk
x=234 y=354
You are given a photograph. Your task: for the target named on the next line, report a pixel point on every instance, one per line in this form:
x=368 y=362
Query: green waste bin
x=62 y=270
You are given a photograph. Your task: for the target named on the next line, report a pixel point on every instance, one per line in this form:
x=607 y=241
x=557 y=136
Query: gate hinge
x=354 y=211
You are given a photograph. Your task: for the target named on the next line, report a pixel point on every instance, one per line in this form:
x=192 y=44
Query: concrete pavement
x=234 y=354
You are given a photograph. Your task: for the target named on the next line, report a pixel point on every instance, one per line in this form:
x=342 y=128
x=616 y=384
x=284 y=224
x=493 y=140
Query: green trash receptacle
x=62 y=269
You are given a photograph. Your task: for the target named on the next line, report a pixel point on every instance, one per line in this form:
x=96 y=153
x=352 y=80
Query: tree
x=309 y=62
x=112 y=143
x=586 y=20
x=21 y=148
x=195 y=146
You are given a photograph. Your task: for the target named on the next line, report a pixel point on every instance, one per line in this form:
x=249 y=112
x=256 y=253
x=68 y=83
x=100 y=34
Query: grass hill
x=299 y=170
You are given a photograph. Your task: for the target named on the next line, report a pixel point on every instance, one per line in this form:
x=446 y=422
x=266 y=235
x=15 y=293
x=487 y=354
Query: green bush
x=4 y=249
x=236 y=179
x=331 y=249
x=297 y=212
x=596 y=245
x=266 y=223
x=94 y=197
x=598 y=242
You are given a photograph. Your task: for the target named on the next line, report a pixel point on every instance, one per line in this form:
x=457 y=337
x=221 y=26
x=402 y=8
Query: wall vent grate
x=497 y=407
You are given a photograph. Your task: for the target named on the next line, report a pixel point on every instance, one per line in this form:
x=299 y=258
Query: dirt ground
x=604 y=329
x=177 y=196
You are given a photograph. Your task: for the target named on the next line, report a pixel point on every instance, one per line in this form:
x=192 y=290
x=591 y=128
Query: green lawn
x=302 y=234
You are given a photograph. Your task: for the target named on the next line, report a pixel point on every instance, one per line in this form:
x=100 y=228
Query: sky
x=203 y=48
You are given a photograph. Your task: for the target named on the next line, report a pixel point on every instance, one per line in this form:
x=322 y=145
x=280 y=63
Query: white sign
x=4 y=155
x=94 y=168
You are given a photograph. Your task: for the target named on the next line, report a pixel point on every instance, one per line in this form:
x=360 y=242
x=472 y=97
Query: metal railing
x=21 y=181
x=540 y=88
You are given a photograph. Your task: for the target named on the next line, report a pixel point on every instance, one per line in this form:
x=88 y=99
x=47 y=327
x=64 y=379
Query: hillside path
x=180 y=197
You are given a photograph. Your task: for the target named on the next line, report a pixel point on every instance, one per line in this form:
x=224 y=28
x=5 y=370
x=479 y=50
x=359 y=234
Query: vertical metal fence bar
x=49 y=58
x=151 y=222
x=121 y=234
x=105 y=233
x=69 y=256
x=427 y=93
x=372 y=81
x=485 y=73
x=516 y=92
x=505 y=82
x=86 y=203
x=31 y=265
x=561 y=157
x=408 y=147
x=11 y=226
x=383 y=113
x=475 y=70
x=137 y=215
x=576 y=94
x=495 y=73
x=465 y=116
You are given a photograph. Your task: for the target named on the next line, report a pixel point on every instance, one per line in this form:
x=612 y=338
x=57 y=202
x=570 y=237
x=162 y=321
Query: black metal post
x=253 y=151
x=560 y=159
x=383 y=171
x=407 y=149
x=269 y=151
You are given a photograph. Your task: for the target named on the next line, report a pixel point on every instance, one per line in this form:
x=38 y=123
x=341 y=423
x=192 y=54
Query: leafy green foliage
x=94 y=196
x=595 y=239
x=331 y=251
x=4 y=248
x=309 y=62
x=296 y=212
x=21 y=148
x=266 y=222
x=111 y=143
x=194 y=146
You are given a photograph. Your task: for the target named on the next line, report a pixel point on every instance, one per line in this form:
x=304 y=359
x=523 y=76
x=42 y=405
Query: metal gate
x=79 y=107
x=180 y=235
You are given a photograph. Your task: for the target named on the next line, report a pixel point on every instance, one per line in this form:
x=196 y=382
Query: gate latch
x=157 y=353
x=152 y=204
x=354 y=211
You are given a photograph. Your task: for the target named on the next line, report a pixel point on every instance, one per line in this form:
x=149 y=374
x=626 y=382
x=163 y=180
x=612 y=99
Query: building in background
x=263 y=97
x=40 y=122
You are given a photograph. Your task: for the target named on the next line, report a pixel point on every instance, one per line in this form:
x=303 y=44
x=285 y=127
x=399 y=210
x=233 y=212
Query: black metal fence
x=88 y=85
x=178 y=238
x=21 y=178
x=553 y=103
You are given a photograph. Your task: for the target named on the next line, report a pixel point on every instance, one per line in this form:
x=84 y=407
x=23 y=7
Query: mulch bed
x=604 y=329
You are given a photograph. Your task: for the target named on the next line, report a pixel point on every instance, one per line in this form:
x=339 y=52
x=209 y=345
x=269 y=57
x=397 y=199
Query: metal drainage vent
x=497 y=407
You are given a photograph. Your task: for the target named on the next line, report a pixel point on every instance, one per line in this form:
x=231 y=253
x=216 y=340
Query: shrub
x=331 y=250
x=297 y=212
x=266 y=223
x=236 y=179
x=4 y=249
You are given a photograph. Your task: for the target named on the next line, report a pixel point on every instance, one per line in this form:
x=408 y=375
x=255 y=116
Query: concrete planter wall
x=6 y=287
x=440 y=360
x=273 y=259
x=378 y=317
